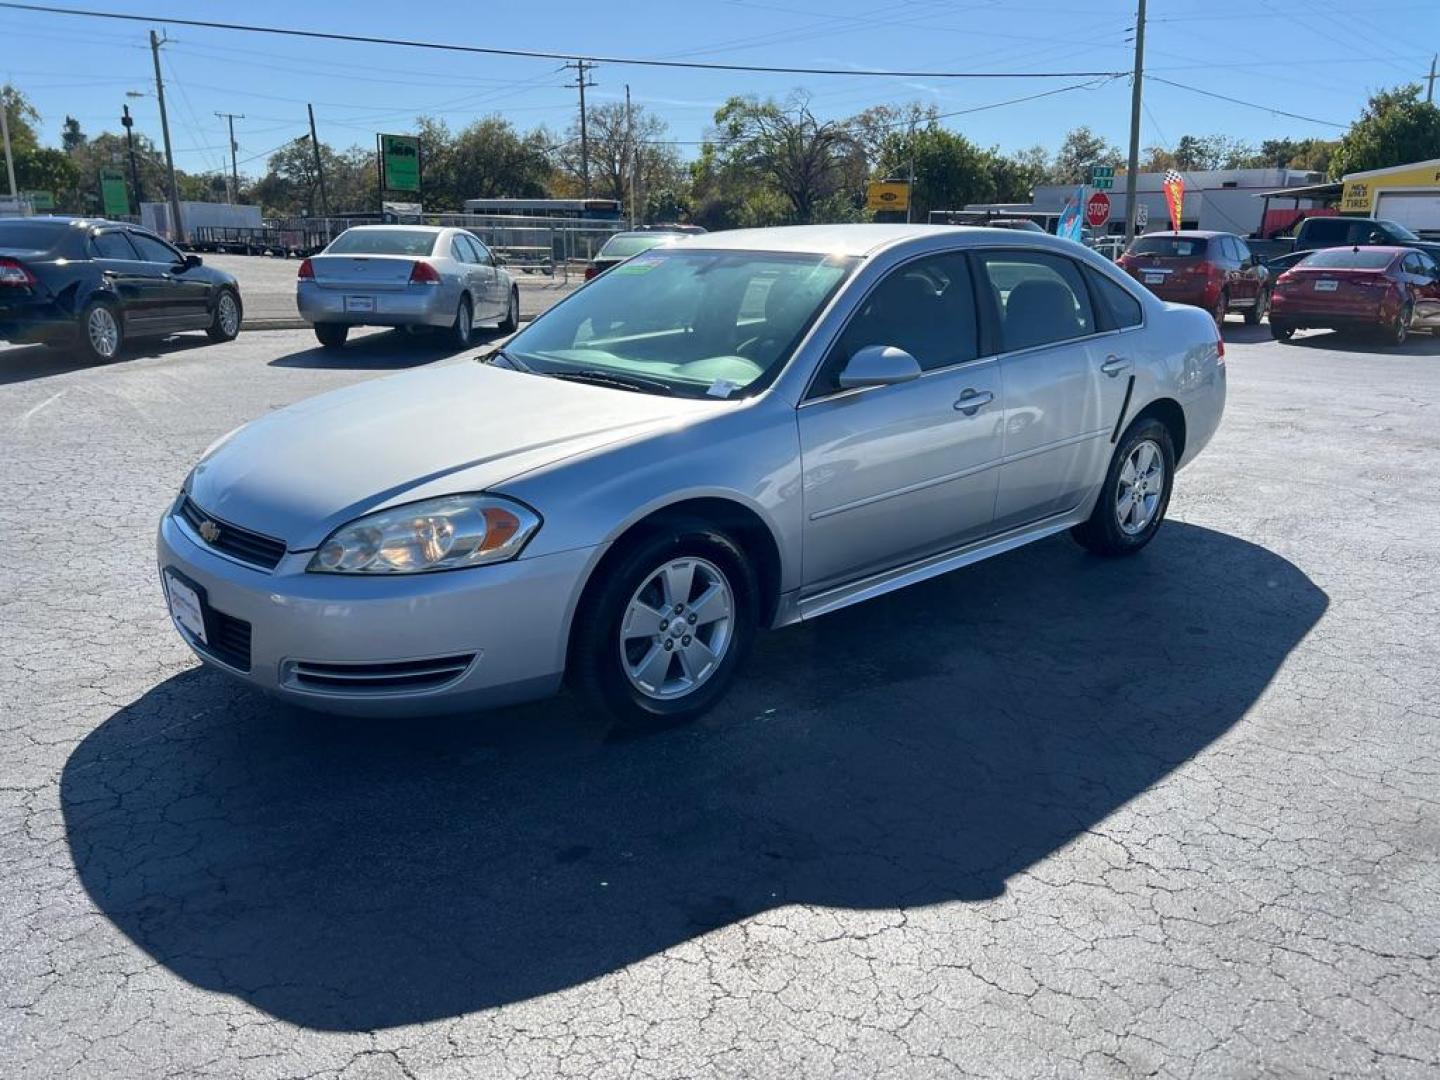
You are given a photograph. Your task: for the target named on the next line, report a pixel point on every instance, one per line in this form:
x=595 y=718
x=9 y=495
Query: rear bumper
x=1202 y=294
x=1304 y=311
x=414 y=305
x=31 y=323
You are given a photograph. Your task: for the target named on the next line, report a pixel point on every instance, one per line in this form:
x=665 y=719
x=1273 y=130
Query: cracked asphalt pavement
x=1047 y=816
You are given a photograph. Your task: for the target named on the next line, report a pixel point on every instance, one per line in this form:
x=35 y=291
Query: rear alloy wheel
x=463 y=328
x=225 y=326
x=1136 y=494
x=1281 y=331
x=665 y=630
x=332 y=335
x=511 y=320
x=1399 y=329
x=1254 y=314
x=101 y=336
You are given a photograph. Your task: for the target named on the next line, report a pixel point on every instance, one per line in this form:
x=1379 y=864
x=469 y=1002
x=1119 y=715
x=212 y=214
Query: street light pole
x=128 y=123
x=9 y=157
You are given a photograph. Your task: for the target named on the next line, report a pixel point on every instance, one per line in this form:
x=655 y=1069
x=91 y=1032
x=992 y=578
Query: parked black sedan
x=92 y=284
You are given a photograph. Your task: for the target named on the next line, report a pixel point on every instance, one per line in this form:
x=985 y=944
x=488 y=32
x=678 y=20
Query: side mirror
x=879 y=365
x=193 y=260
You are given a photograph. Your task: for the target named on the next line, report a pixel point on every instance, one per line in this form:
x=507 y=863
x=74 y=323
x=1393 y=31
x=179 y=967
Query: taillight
x=1285 y=278
x=15 y=273
x=591 y=271
x=307 y=270
x=422 y=273
x=1219 y=345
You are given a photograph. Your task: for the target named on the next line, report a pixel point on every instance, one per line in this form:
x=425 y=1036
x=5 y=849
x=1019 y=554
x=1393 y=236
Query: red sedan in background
x=1389 y=289
x=1211 y=270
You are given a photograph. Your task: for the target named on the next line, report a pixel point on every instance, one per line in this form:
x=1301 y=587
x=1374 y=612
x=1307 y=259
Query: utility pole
x=9 y=157
x=177 y=229
x=319 y=168
x=581 y=66
x=1430 y=91
x=1133 y=168
x=234 y=168
x=128 y=123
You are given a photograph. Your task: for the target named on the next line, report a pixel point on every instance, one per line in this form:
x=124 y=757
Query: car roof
x=861 y=240
x=1186 y=234
x=403 y=228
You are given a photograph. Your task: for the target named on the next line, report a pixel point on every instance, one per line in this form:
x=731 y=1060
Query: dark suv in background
x=93 y=284
x=1210 y=270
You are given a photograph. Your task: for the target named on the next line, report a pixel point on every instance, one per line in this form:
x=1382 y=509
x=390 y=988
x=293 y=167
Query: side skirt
x=794 y=608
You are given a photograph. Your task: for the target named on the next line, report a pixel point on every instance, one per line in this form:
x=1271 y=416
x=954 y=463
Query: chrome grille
x=249 y=547
x=385 y=678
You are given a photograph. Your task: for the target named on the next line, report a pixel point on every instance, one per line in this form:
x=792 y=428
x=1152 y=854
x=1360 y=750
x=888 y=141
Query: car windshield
x=383 y=242
x=625 y=245
x=1174 y=247
x=1350 y=259
x=31 y=235
x=698 y=323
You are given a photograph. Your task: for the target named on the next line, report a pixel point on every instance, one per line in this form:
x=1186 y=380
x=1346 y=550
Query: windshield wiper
x=612 y=379
x=514 y=362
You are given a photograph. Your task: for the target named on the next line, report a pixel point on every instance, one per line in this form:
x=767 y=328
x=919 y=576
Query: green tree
x=950 y=170
x=784 y=158
x=1396 y=128
x=22 y=118
x=616 y=149
x=486 y=159
x=71 y=137
x=1081 y=149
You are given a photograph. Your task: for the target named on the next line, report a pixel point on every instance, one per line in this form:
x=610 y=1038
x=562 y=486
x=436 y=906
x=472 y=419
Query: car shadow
x=919 y=749
x=24 y=363
x=1419 y=343
x=1236 y=332
x=393 y=350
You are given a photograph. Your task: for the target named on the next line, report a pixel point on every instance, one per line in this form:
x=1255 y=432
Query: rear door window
x=460 y=251
x=112 y=245
x=1041 y=298
x=482 y=253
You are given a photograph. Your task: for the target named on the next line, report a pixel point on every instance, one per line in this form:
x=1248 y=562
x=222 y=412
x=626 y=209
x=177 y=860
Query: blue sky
x=1319 y=58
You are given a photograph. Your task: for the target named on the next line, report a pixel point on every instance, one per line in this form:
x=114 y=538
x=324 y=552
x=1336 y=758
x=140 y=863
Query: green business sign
x=113 y=193
x=39 y=200
x=1102 y=177
x=400 y=163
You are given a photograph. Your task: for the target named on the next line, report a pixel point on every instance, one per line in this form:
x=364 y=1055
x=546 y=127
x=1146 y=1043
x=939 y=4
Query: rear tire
x=225 y=326
x=100 y=333
x=511 y=321
x=462 y=330
x=1136 y=492
x=1254 y=314
x=1399 y=330
x=332 y=335
x=636 y=672
x=1281 y=331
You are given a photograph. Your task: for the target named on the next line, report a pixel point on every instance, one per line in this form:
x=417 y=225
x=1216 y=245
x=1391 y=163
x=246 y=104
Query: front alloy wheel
x=664 y=626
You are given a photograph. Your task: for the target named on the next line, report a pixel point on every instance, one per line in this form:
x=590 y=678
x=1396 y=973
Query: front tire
x=332 y=335
x=1136 y=492
x=225 y=326
x=101 y=332
x=660 y=638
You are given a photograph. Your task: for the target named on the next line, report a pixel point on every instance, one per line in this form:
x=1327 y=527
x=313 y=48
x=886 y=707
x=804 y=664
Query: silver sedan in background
x=745 y=430
x=405 y=275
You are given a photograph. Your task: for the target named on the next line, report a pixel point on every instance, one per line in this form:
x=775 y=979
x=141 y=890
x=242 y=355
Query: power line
x=536 y=54
x=1248 y=104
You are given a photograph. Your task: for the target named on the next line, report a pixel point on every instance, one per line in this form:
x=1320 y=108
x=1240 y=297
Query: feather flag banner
x=1174 y=187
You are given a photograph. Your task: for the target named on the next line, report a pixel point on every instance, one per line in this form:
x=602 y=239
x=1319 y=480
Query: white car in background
x=405 y=275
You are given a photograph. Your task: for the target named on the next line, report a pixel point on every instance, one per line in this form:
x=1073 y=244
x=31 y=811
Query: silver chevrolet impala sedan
x=742 y=431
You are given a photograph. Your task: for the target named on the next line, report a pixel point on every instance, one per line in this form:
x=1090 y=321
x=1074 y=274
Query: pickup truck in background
x=1328 y=232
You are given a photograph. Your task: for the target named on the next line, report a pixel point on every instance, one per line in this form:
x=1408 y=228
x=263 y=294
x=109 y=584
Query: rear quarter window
x=1116 y=301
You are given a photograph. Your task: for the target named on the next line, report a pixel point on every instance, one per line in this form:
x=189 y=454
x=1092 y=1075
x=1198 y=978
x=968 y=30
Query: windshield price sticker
x=721 y=388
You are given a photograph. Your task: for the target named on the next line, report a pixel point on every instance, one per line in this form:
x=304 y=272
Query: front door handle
x=971 y=401
x=1114 y=365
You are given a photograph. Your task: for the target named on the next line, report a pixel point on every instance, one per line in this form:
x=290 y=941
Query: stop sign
x=1097 y=210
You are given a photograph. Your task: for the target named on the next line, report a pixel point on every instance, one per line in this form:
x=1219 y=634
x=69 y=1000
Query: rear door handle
x=1114 y=365
x=971 y=401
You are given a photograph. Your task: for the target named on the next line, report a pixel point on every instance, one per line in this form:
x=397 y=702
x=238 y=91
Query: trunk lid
x=369 y=272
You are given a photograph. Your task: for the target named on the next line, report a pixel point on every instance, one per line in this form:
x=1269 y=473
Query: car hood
x=301 y=472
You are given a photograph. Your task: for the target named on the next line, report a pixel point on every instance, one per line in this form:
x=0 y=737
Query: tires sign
x=1097 y=210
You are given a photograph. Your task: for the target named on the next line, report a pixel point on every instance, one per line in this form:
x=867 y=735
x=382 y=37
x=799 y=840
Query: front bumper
x=338 y=644
x=413 y=305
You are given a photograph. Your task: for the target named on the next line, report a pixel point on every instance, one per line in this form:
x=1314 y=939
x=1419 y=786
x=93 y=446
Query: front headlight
x=437 y=534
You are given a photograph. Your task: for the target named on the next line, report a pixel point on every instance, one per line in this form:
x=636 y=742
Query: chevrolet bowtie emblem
x=209 y=531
